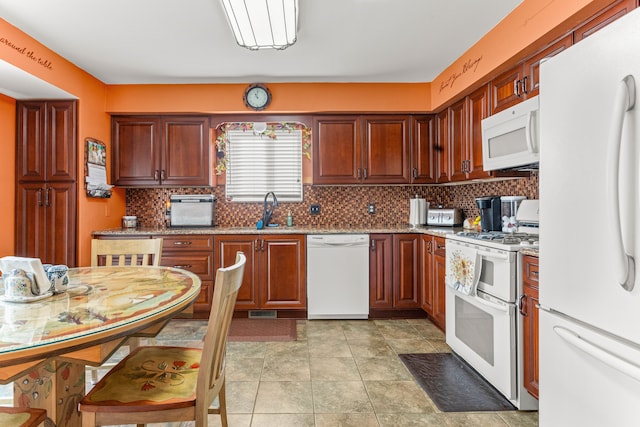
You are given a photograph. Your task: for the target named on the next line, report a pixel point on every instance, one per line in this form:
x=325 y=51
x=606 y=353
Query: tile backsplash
x=339 y=205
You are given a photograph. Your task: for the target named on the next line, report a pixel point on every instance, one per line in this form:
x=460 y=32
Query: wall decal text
x=470 y=65
x=46 y=63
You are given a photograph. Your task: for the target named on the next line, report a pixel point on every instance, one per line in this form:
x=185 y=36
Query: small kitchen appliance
x=489 y=207
x=192 y=210
x=508 y=210
x=448 y=217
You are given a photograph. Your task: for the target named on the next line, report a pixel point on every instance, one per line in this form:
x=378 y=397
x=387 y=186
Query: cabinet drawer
x=530 y=270
x=439 y=246
x=198 y=263
x=187 y=243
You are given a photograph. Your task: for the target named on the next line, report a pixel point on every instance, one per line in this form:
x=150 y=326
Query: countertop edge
x=141 y=231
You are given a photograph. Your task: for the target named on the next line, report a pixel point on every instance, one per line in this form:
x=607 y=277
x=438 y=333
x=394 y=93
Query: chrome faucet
x=267 y=209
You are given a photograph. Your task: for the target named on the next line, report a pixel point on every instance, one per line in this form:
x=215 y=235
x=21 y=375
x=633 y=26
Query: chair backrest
x=126 y=252
x=211 y=372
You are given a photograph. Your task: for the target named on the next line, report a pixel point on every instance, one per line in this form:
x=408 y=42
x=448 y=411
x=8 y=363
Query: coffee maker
x=489 y=207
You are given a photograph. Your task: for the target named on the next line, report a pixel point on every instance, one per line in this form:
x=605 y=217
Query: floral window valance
x=269 y=131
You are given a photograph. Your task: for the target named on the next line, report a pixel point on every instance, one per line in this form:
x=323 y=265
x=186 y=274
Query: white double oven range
x=484 y=327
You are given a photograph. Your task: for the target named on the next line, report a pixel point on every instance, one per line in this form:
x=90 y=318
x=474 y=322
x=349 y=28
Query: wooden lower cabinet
x=195 y=254
x=46 y=221
x=433 y=269
x=275 y=274
x=530 y=315
x=394 y=272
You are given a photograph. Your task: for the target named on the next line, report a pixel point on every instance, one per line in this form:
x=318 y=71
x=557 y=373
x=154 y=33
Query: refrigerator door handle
x=624 y=101
x=626 y=367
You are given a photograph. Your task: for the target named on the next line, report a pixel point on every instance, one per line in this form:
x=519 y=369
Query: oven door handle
x=497 y=307
x=500 y=256
x=492 y=305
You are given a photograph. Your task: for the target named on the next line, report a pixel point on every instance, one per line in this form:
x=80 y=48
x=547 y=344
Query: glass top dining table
x=100 y=303
x=102 y=306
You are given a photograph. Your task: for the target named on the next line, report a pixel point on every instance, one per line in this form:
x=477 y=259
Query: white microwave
x=510 y=138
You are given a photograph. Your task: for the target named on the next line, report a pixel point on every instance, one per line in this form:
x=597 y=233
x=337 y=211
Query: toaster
x=449 y=217
x=192 y=210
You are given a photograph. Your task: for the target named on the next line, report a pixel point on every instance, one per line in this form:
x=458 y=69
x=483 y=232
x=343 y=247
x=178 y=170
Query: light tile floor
x=338 y=373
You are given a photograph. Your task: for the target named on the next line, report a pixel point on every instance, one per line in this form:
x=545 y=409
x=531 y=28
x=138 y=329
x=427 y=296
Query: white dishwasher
x=338 y=276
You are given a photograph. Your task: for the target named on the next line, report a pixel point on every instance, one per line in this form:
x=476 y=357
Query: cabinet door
x=225 y=255
x=282 y=272
x=604 y=18
x=31 y=225
x=426 y=273
x=60 y=208
x=478 y=109
x=529 y=312
x=532 y=64
x=136 y=150
x=439 y=274
x=406 y=271
x=458 y=140
x=336 y=150
x=442 y=145
x=46 y=222
x=185 y=157
x=423 y=162
x=46 y=141
x=386 y=150
x=380 y=271
x=503 y=89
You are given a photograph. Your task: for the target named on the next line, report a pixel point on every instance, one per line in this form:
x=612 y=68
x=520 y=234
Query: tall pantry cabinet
x=46 y=181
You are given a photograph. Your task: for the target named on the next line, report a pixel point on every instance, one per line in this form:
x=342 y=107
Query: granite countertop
x=530 y=251
x=143 y=231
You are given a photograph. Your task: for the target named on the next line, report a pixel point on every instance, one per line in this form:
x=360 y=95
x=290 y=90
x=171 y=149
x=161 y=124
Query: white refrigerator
x=590 y=235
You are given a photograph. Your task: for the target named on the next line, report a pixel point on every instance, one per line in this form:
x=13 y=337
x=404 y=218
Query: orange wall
x=287 y=97
x=508 y=42
x=7 y=174
x=93 y=121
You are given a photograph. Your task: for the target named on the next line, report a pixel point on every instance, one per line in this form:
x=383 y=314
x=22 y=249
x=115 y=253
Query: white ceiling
x=189 y=41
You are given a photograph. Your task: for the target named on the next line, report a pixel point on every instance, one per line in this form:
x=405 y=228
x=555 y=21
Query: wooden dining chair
x=123 y=252
x=167 y=384
x=126 y=252
x=22 y=417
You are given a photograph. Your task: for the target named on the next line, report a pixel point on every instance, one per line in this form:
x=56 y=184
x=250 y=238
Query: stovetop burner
x=500 y=238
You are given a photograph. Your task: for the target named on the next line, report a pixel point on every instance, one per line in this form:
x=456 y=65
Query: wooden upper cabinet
x=423 y=154
x=442 y=146
x=150 y=151
x=504 y=89
x=47 y=141
x=523 y=80
x=459 y=132
x=604 y=18
x=477 y=109
x=136 y=150
x=361 y=149
x=386 y=149
x=532 y=64
x=458 y=140
x=185 y=159
x=336 y=150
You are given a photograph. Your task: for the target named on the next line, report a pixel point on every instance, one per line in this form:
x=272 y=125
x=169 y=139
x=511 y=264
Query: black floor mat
x=453 y=385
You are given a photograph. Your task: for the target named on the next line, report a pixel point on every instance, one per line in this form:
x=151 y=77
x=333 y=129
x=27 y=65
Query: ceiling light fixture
x=263 y=24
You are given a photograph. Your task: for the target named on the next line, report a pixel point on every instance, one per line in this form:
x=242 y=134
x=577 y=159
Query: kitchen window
x=262 y=157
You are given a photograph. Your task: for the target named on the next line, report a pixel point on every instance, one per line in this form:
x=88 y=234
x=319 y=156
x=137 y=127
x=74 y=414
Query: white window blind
x=258 y=163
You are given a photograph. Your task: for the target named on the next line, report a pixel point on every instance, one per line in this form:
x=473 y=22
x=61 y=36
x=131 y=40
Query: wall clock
x=257 y=97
